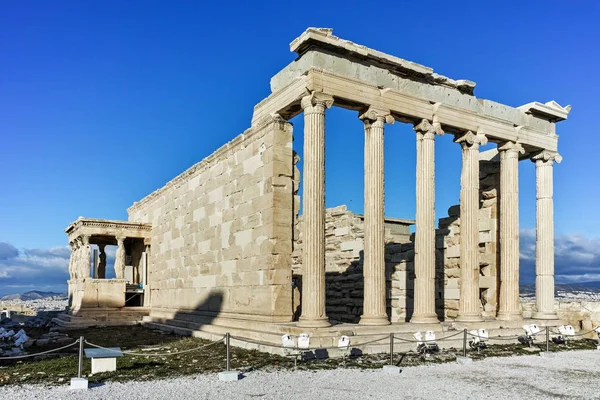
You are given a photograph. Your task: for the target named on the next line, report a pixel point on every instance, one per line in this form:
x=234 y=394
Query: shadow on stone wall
x=345 y=290
x=203 y=314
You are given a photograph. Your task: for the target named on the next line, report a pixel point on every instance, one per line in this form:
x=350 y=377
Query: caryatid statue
x=120 y=258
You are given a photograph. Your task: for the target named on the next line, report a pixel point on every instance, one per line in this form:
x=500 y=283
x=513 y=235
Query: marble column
x=544 y=227
x=469 y=302
x=509 y=307
x=424 y=292
x=102 y=261
x=86 y=256
x=374 y=300
x=313 y=256
x=120 y=258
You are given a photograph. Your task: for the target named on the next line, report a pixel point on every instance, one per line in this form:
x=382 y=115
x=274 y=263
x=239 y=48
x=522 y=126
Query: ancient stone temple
x=224 y=247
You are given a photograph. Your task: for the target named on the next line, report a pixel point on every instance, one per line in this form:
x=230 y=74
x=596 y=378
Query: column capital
x=317 y=100
x=510 y=149
x=546 y=156
x=372 y=115
x=469 y=139
x=85 y=239
x=428 y=130
x=120 y=239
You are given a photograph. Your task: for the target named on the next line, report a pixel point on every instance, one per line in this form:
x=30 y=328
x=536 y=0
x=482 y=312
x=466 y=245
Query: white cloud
x=576 y=257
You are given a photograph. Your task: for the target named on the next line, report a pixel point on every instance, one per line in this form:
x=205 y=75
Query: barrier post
x=391 y=368
x=228 y=353
x=80 y=382
x=228 y=374
x=80 y=369
x=547 y=338
x=464 y=359
x=391 y=348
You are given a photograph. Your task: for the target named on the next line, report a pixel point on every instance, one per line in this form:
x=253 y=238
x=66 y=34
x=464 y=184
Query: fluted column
x=424 y=293
x=120 y=258
x=374 y=300
x=313 y=259
x=468 y=305
x=509 y=307
x=544 y=227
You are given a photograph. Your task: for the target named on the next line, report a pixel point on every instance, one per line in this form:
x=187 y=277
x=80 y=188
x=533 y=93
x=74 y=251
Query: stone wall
x=344 y=262
x=222 y=230
x=582 y=314
x=344 y=234
x=448 y=246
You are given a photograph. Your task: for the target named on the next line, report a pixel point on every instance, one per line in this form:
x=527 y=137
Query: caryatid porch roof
x=357 y=77
x=104 y=228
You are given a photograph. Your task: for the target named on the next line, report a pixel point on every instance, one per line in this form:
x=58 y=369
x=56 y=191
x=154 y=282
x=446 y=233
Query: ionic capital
x=376 y=116
x=428 y=130
x=511 y=149
x=546 y=156
x=469 y=139
x=316 y=101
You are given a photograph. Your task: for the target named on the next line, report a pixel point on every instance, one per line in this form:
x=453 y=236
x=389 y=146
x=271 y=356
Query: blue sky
x=103 y=102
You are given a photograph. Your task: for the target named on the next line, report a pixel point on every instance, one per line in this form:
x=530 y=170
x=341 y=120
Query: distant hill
x=32 y=295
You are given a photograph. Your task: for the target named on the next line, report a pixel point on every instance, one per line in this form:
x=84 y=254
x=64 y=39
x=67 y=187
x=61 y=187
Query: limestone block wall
x=582 y=314
x=91 y=293
x=344 y=235
x=222 y=230
x=448 y=246
x=344 y=269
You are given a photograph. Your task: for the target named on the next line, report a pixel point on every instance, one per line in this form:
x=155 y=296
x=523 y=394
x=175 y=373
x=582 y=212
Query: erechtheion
x=225 y=247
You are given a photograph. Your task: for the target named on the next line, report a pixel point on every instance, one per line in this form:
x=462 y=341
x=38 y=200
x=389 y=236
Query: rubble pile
x=11 y=343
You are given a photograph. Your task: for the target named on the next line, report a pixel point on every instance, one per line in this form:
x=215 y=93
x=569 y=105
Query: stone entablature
x=358 y=77
x=105 y=227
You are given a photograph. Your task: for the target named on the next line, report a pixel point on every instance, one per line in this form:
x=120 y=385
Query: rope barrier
x=131 y=353
x=43 y=352
x=296 y=348
x=425 y=341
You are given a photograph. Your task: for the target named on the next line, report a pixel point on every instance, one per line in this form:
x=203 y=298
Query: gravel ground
x=567 y=375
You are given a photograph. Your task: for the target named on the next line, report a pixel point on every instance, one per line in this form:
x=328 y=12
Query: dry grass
x=59 y=369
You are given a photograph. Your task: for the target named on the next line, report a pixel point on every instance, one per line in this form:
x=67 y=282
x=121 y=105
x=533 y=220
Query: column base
x=469 y=317
x=424 y=319
x=313 y=322
x=368 y=320
x=508 y=316
x=542 y=315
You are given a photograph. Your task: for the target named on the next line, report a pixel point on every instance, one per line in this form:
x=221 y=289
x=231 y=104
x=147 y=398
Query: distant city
x=38 y=301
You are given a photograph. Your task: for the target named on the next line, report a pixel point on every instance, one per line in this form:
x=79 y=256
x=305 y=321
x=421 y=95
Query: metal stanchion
x=391 y=349
x=228 y=374
x=80 y=369
x=228 y=353
x=80 y=382
x=391 y=369
x=547 y=338
x=464 y=359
